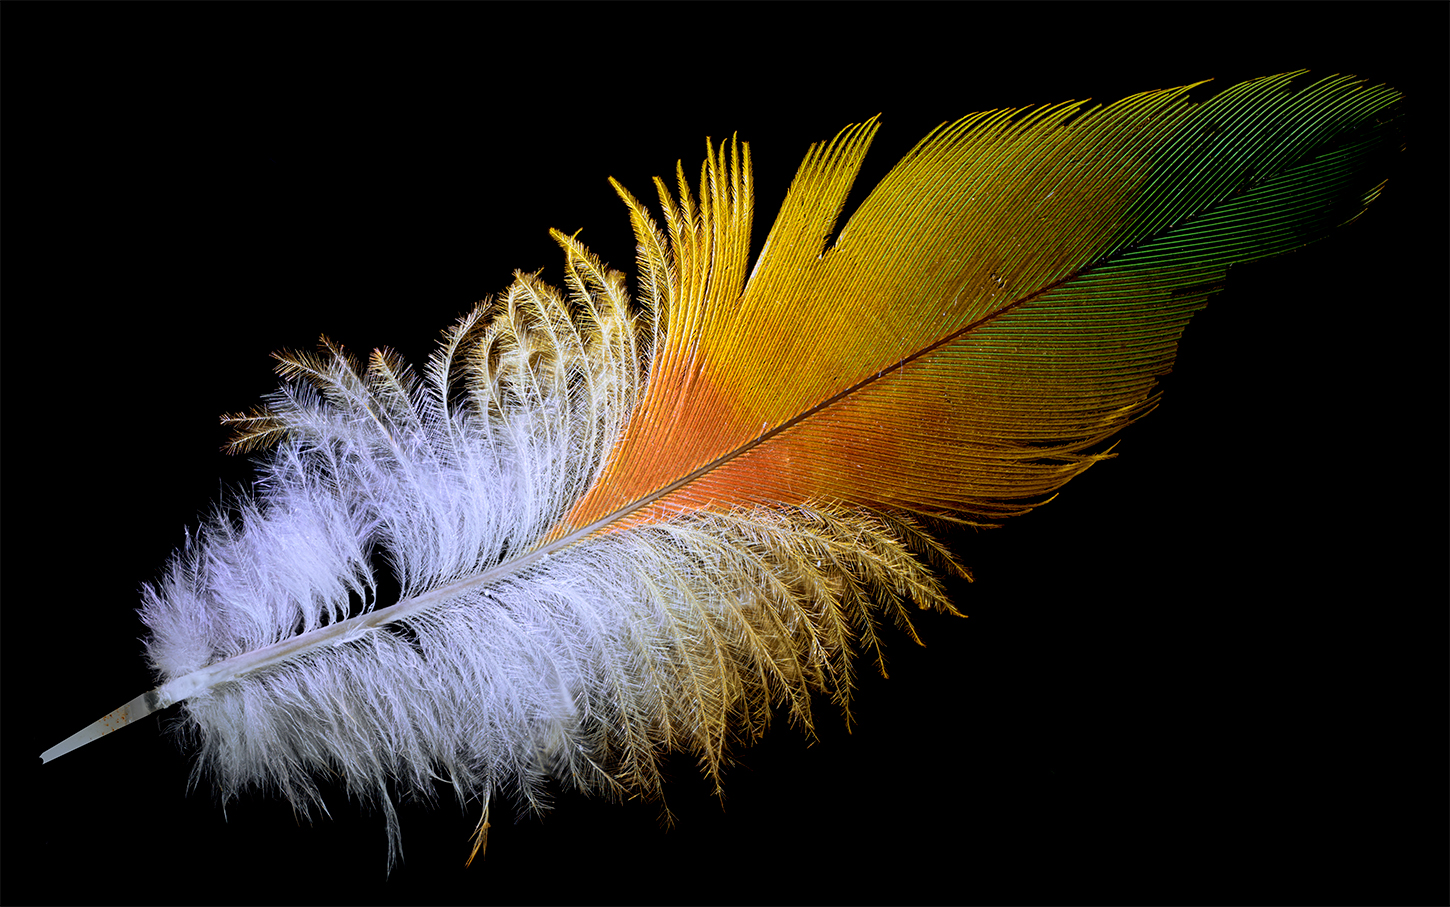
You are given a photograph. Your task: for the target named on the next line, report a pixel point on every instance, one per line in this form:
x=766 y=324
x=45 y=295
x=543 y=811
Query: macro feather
x=626 y=526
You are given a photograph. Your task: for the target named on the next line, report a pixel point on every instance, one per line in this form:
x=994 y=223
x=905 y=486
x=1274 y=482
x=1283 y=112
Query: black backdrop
x=1211 y=671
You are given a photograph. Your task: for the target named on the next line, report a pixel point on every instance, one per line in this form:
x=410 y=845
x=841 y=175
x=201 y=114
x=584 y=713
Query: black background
x=1212 y=671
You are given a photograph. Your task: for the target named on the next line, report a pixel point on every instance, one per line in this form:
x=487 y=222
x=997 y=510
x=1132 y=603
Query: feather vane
x=627 y=526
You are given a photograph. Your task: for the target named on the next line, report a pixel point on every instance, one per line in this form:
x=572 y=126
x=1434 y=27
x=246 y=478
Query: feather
x=622 y=527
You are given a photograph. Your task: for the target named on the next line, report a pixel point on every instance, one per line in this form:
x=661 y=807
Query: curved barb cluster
x=586 y=667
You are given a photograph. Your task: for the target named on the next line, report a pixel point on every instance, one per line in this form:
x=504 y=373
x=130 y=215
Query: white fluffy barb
x=586 y=667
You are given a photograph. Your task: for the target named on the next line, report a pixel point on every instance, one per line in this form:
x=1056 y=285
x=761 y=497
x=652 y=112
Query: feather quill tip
x=134 y=710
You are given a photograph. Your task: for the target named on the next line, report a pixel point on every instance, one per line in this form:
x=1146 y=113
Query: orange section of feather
x=980 y=217
x=972 y=336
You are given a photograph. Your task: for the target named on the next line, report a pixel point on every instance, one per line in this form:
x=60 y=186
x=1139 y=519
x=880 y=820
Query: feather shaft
x=238 y=667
